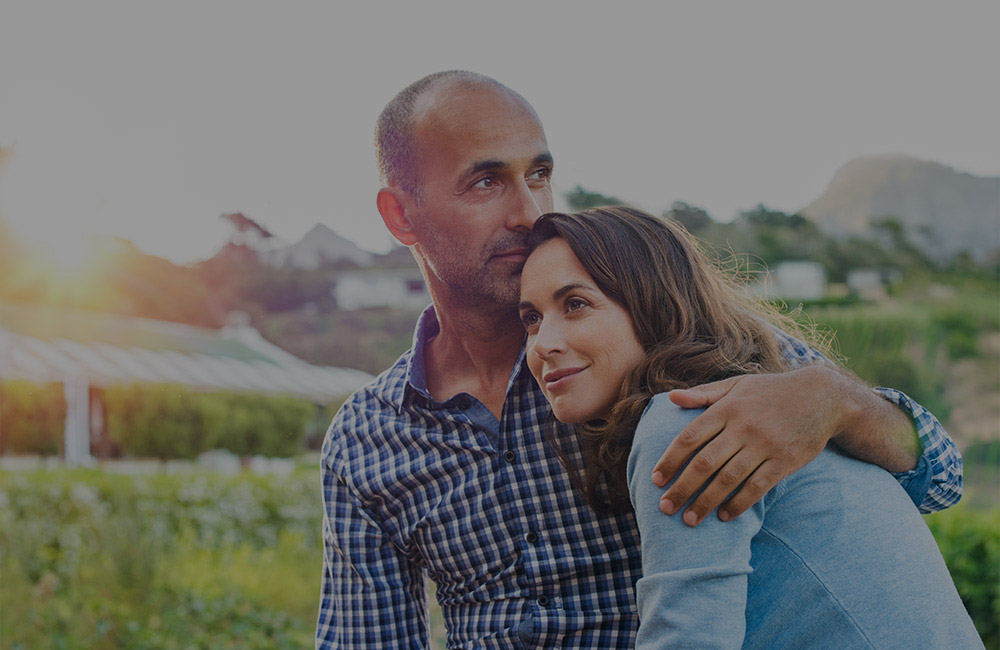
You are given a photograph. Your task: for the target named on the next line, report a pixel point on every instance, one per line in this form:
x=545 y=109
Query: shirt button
x=543 y=601
x=531 y=537
x=509 y=456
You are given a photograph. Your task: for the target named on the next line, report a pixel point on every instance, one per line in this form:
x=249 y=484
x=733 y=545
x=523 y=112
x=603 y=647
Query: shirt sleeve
x=693 y=590
x=371 y=595
x=936 y=482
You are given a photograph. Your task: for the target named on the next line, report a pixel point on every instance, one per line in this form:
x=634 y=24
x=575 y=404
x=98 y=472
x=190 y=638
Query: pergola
x=84 y=349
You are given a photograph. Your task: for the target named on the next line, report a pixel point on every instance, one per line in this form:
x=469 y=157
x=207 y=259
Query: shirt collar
x=416 y=370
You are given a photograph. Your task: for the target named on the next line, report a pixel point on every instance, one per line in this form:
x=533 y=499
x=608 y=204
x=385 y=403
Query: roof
x=43 y=344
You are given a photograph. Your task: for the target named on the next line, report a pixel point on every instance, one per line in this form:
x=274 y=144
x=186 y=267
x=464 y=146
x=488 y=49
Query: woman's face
x=581 y=344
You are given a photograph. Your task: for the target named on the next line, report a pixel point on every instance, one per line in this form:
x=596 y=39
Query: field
x=98 y=560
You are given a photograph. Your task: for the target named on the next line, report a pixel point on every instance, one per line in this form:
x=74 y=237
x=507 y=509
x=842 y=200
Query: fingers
x=741 y=467
x=760 y=482
x=703 y=395
x=694 y=436
x=717 y=455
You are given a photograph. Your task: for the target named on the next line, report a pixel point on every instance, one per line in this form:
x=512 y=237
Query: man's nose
x=525 y=209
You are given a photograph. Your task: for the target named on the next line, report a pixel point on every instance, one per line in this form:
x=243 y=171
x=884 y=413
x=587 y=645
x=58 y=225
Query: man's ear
x=392 y=205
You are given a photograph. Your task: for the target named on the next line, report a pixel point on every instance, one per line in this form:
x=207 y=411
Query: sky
x=149 y=120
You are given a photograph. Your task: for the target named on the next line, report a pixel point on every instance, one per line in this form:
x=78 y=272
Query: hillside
x=948 y=211
x=318 y=246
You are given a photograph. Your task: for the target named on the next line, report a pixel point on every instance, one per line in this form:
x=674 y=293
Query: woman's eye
x=575 y=303
x=530 y=320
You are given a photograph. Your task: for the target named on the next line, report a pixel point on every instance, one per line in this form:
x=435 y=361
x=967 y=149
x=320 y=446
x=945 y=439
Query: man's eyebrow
x=484 y=166
x=491 y=165
x=543 y=158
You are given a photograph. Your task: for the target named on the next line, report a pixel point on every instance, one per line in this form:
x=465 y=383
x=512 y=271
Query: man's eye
x=541 y=173
x=485 y=183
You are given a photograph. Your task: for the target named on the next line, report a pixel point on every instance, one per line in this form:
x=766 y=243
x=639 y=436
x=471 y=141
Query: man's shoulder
x=384 y=393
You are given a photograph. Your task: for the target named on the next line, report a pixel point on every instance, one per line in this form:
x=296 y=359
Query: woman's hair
x=693 y=323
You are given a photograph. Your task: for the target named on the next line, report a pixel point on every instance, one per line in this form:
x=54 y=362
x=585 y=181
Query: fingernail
x=658 y=478
x=724 y=515
x=667 y=506
x=690 y=518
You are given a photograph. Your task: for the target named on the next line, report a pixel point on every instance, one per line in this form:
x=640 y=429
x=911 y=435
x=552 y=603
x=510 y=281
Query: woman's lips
x=559 y=379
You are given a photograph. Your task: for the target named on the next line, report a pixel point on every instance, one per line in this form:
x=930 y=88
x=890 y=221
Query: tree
x=581 y=199
x=691 y=217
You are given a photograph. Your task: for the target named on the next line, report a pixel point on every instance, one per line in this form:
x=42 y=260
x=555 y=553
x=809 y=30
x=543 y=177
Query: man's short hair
x=394 y=141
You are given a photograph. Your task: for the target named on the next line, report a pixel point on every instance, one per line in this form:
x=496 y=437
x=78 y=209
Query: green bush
x=272 y=426
x=970 y=543
x=166 y=421
x=162 y=420
x=961 y=332
x=32 y=417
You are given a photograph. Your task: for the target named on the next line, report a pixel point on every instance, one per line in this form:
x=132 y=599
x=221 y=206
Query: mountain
x=943 y=210
x=318 y=246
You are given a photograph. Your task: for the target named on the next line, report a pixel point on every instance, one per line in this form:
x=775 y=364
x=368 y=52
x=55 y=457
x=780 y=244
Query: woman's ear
x=392 y=205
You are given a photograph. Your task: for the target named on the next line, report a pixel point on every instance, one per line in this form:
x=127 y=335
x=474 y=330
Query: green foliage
x=970 y=544
x=32 y=417
x=163 y=420
x=961 y=333
x=581 y=199
x=169 y=421
x=102 y=561
x=93 y=560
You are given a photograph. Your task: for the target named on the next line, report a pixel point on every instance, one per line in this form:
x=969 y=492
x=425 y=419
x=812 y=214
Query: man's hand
x=759 y=429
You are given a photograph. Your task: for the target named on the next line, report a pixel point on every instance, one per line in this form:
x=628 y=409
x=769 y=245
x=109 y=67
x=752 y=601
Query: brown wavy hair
x=692 y=321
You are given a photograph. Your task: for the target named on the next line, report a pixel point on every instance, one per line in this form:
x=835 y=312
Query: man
x=441 y=467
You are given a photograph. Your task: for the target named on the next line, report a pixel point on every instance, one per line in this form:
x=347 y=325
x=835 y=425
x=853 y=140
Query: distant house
x=402 y=288
x=870 y=283
x=87 y=351
x=792 y=280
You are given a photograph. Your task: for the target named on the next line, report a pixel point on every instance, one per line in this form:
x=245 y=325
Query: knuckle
x=703 y=462
x=731 y=475
x=678 y=493
x=687 y=437
x=759 y=484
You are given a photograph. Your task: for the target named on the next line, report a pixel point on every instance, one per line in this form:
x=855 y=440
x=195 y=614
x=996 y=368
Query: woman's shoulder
x=659 y=425
x=663 y=419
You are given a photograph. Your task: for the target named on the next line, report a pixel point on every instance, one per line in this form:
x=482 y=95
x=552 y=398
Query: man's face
x=484 y=172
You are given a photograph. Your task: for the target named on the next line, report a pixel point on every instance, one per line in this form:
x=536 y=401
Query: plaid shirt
x=416 y=489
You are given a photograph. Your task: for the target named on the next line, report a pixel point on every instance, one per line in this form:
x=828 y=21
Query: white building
x=402 y=288
x=792 y=280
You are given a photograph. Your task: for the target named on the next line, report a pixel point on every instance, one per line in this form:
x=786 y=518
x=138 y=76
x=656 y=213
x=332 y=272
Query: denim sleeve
x=693 y=592
x=371 y=596
x=936 y=482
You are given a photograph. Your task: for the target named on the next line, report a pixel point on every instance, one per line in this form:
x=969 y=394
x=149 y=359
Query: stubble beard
x=489 y=285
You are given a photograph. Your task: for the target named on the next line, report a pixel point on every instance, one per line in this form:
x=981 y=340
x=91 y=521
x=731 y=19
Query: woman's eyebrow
x=556 y=295
x=559 y=293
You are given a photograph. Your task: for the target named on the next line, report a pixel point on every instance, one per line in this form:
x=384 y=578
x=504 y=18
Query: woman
x=620 y=308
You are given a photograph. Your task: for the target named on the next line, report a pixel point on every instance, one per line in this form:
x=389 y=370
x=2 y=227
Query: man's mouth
x=513 y=255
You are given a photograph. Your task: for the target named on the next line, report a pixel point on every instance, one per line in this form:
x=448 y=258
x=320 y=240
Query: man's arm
x=761 y=428
x=371 y=596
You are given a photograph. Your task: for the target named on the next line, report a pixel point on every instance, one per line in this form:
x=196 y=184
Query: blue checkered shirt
x=417 y=489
